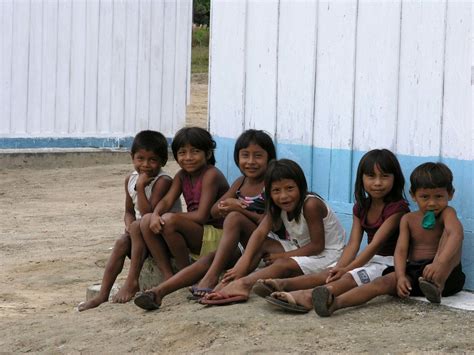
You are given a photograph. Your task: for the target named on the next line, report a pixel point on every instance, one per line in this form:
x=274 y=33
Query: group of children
x=269 y=234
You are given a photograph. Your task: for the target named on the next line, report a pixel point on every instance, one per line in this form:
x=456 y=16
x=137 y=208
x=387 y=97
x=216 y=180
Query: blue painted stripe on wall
x=68 y=142
x=333 y=174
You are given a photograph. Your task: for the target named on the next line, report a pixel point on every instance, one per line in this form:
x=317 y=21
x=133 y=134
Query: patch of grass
x=200 y=50
x=199 y=59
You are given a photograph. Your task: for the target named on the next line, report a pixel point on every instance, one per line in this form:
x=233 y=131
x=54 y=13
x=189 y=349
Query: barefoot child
x=242 y=207
x=144 y=187
x=430 y=239
x=195 y=232
x=315 y=236
x=379 y=206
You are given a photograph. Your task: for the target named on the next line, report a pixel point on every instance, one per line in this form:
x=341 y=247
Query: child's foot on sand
x=92 y=303
x=301 y=298
x=203 y=287
x=323 y=301
x=233 y=290
x=148 y=300
x=126 y=292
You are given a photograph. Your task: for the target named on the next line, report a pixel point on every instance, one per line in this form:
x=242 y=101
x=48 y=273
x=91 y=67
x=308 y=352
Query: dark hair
x=279 y=170
x=197 y=137
x=153 y=141
x=253 y=136
x=388 y=163
x=431 y=176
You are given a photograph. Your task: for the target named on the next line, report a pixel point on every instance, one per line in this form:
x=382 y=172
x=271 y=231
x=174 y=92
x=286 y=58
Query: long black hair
x=280 y=170
x=387 y=163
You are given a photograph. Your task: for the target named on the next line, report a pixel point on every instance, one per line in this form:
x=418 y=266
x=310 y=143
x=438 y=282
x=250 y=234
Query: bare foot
x=126 y=292
x=300 y=297
x=92 y=303
x=234 y=288
x=204 y=286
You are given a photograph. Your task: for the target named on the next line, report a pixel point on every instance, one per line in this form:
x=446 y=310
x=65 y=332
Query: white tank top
x=334 y=234
x=132 y=181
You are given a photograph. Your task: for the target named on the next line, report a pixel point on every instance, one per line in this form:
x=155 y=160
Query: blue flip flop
x=198 y=292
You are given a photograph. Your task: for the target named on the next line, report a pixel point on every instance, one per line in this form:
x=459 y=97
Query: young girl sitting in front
x=242 y=207
x=379 y=206
x=195 y=232
x=315 y=236
x=144 y=187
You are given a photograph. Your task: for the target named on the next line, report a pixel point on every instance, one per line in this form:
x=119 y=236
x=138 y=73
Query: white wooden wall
x=95 y=68
x=331 y=80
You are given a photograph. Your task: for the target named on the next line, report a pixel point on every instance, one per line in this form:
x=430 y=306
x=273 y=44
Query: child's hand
x=143 y=180
x=156 y=223
x=435 y=272
x=335 y=274
x=403 y=287
x=233 y=274
x=229 y=205
x=269 y=259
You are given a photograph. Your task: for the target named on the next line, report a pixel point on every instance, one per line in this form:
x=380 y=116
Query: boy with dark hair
x=430 y=239
x=144 y=188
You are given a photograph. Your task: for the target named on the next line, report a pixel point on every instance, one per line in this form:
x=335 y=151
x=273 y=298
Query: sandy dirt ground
x=57 y=226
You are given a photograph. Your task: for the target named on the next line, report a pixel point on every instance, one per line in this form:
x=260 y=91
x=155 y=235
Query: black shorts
x=414 y=270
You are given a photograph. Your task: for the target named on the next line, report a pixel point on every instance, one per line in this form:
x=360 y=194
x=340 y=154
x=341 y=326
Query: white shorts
x=373 y=269
x=314 y=263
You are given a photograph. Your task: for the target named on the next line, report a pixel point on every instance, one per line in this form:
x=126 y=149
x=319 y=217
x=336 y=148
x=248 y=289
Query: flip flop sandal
x=146 y=300
x=321 y=296
x=262 y=289
x=430 y=290
x=289 y=305
x=199 y=292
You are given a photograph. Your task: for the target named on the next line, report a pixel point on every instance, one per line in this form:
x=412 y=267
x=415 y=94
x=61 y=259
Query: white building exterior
x=331 y=80
x=77 y=73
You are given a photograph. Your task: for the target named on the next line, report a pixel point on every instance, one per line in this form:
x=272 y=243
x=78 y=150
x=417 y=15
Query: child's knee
x=134 y=227
x=233 y=219
x=170 y=221
x=123 y=244
x=145 y=222
x=386 y=284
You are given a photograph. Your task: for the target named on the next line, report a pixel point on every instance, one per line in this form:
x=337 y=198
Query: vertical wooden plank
x=334 y=100
x=456 y=142
x=227 y=50
x=169 y=53
x=20 y=44
x=131 y=48
x=91 y=57
x=104 y=72
x=226 y=79
x=421 y=78
x=296 y=81
x=48 y=63
x=117 y=89
x=181 y=64
x=156 y=64
x=190 y=39
x=457 y=83
x=143 y=72
x=63 y=67
x=78 y=65
x=34 y=68
x=377 y=64
x=6 y=37
x=261 y=67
